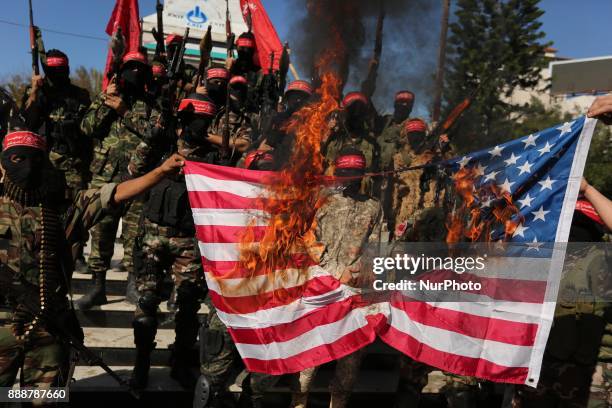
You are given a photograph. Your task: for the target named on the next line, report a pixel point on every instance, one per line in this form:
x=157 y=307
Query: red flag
x=127 y=16
x=266 y=38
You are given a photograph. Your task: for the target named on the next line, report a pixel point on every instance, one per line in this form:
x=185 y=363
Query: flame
x=473 y=220
x=294 y=194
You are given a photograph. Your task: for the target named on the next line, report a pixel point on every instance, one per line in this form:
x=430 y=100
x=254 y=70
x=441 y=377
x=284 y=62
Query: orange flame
x=293 y=197
x=470 y=221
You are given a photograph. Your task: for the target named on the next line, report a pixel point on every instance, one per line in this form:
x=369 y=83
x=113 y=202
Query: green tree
x=495 y=47
x=89 y=79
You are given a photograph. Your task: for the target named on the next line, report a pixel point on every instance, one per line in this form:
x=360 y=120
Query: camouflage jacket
x=118 y=138
x=57 y=114
x=344 y=226
x=240 y=127
x=389 y=143
x=21 y=232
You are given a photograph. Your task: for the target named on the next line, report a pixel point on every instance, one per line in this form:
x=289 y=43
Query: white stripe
x=220 y=251
x=198 y=182
x=318 y=336
x=508 y=355
x=284 y=314
x=230 y=217
x=255 y=285
x=520 y=312
x=523 y=268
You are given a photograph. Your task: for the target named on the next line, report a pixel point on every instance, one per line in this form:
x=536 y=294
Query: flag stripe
x=520 y=334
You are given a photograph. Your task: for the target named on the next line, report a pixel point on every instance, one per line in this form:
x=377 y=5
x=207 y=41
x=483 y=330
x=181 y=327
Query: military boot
x=95 y=297
x=145 y=329
x=131 y=292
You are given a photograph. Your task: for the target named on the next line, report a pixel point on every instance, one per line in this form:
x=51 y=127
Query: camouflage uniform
x=240 y=128
x=345 y=225
x=118 y=138
x=573 y=348
x=43 y=358
x=60 y=111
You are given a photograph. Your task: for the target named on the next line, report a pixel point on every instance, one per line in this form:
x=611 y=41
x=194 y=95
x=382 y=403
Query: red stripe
x=506 y=331
x=229 y=173
x=279 y=297
x=287 y=331
x=223 y=200
x=233 y=270
x=512 y=290
x=469 y=366
x=227 y=234
x=315 y=356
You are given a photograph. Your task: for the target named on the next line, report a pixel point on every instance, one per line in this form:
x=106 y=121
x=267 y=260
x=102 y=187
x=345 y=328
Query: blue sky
x=578 y=31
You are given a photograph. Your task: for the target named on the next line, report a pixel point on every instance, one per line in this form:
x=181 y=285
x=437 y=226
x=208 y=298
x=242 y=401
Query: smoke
x=410 y=43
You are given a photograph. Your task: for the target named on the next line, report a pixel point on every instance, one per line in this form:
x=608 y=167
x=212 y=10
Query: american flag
x=291 y=320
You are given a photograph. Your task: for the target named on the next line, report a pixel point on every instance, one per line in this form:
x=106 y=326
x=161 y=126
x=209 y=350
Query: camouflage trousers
x=413 y=377
x=103 y=238
x=43 y=361
x=601 y=387
x=562 y=385
x=219 y=356
x=340 y=387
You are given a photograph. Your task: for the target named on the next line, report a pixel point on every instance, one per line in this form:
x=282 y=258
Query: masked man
x=120 y=119
x=240 y=127
x=54 y=107
x=167 y=242
x=216 y=85
x=345 y=224
x=39 y=231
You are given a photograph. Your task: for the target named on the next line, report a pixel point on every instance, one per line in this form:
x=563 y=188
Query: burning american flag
x=290 y=315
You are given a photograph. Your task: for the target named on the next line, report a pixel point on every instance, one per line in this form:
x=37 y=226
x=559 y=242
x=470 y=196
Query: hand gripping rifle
x=64 y=327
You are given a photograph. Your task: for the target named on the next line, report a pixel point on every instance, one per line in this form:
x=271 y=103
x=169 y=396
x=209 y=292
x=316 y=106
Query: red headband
x=173 y=38
x=238 y=80
x=57 y=62
x=221 y=73
x=24 y=138
x=300 y=85
x=353 y=97
x=404 y=96
x=159 y=70
x=587 y=209
x=199 y=107
x=134 y=56
x=415 y=126
x=245 y=42
x=257 y=155
x=353 y=161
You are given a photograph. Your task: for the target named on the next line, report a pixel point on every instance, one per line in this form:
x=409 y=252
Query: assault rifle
x=33 y=41
x=64 y=328
x=231 y=37
x=158 y=34
x=118 y=49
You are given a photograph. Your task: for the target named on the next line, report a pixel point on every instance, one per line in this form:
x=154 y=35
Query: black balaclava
x=133 y=79
x=355 y=117
x=246 y=53
x=27 y=174
x=195 y=120
x=217 y=90
x=296 y=100
x=404 y=102
x=350 y=162
x=238 y=96
x=57 y=70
